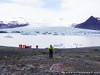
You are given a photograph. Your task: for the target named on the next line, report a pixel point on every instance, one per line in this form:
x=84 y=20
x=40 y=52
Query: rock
x=59 y=67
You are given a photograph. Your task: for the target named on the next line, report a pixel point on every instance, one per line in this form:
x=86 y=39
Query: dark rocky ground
x=17 y=61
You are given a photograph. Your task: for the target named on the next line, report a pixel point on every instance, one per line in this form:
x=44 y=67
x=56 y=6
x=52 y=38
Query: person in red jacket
x=36 y=46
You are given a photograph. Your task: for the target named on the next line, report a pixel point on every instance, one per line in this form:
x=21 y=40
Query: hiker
x=50 y=50
x=36 y=46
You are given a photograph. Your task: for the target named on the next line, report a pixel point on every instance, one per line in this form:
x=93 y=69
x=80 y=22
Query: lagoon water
x=64 y=38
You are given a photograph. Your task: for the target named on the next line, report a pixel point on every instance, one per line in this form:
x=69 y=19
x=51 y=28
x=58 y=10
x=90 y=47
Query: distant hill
x=91 y=23
x=13 y=24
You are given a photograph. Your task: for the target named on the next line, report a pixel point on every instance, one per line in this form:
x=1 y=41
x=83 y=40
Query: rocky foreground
x=29 y=61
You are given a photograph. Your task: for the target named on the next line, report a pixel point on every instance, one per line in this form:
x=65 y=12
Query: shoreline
x=4 y=50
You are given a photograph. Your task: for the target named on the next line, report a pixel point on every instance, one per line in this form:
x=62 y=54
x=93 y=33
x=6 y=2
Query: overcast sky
x=50 y=12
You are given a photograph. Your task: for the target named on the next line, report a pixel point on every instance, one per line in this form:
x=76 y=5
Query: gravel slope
x=17 y=61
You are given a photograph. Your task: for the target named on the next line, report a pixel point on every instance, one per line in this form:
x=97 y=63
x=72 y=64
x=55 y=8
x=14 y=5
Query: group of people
x=50 y=50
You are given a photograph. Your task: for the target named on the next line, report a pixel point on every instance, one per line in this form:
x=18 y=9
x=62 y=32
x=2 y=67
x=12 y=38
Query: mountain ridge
x=91 y=23
x=13 y=24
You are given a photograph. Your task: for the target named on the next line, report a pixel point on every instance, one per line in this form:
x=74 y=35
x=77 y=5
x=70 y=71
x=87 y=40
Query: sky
x=49 y=12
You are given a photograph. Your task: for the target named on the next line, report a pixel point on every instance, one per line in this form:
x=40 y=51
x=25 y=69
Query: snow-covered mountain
x=91 y=23
x=19 y=22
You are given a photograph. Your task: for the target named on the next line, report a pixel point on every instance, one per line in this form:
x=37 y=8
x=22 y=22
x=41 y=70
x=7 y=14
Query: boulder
x=59 y=67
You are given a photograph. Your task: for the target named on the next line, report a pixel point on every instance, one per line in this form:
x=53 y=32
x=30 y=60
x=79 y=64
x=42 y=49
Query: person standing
x=50 y=50
x=36 y=47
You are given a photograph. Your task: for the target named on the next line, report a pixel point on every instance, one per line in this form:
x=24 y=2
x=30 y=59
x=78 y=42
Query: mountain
x=91 y=23
x=13 y=24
